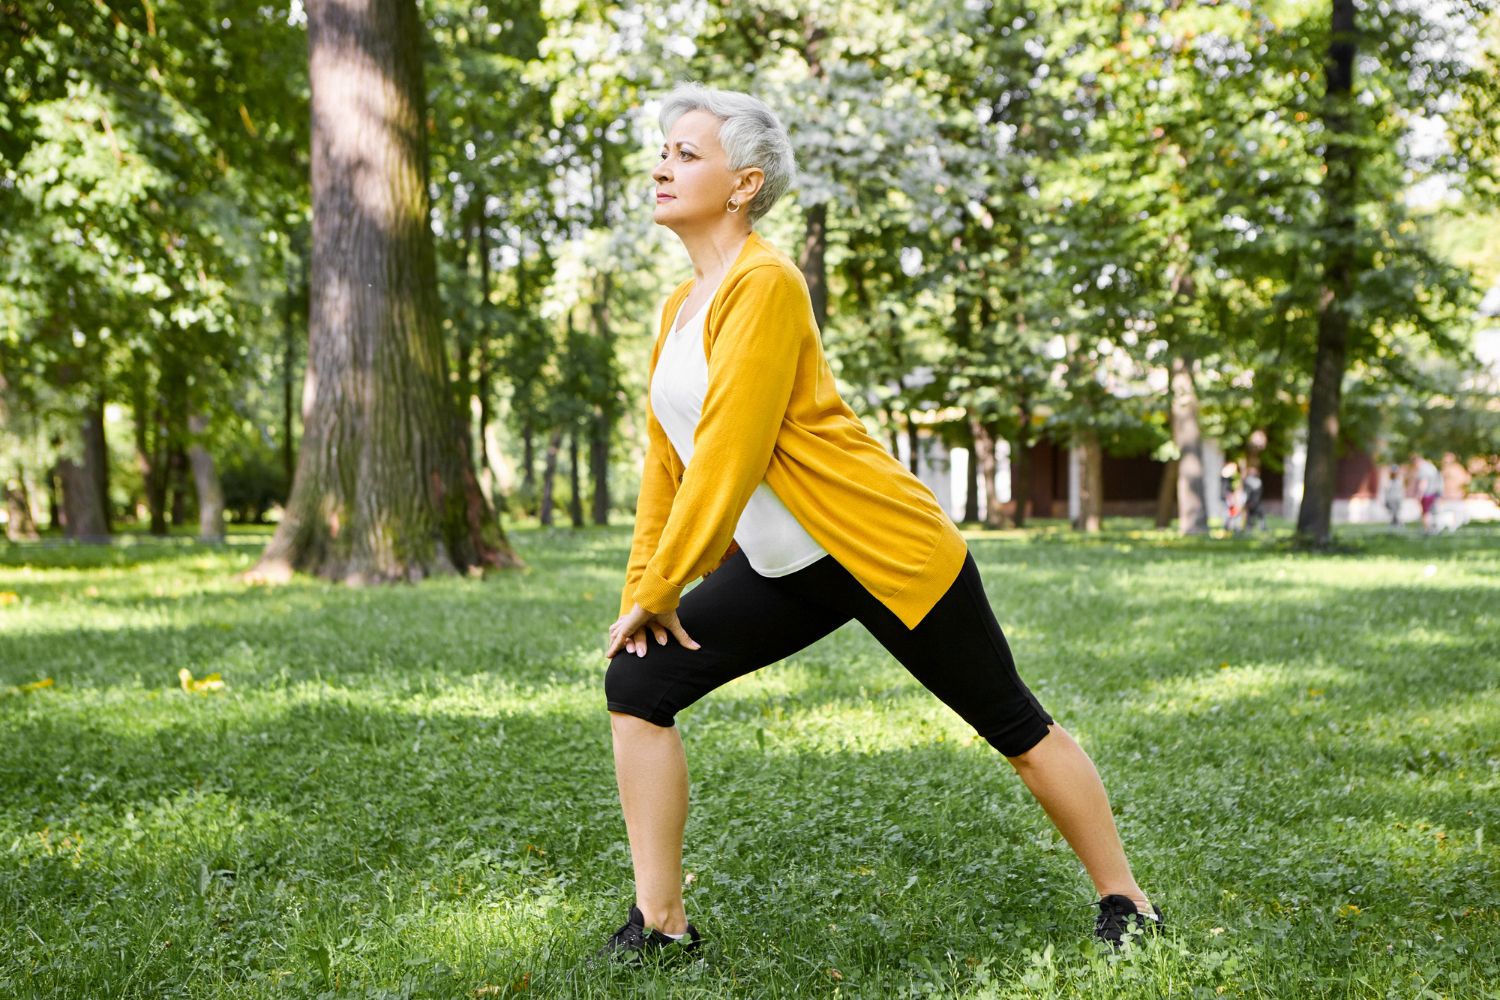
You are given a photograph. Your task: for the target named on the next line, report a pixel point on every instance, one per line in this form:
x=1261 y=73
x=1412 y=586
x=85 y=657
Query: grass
x=408 y=792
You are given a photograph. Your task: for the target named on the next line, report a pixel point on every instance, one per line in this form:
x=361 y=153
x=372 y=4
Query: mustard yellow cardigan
x=772 y=412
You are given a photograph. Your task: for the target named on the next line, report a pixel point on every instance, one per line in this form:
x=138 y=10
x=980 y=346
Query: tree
x=384 y=488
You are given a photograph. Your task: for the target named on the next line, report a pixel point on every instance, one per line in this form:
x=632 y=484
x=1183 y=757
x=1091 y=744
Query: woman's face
x=693 y=180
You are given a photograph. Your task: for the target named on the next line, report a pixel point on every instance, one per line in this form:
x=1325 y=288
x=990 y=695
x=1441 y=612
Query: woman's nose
x=659 y=173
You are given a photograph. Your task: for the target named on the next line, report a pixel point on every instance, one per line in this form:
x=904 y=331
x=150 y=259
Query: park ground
x=408 y=791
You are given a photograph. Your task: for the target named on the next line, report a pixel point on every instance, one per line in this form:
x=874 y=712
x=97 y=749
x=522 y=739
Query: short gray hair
x=751 y=134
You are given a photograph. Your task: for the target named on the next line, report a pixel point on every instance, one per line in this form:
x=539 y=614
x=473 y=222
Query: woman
x=749 y=443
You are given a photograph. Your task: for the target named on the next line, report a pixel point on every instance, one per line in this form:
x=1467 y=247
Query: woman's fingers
x=639 y=639
x=660 y=633
x=675 y=624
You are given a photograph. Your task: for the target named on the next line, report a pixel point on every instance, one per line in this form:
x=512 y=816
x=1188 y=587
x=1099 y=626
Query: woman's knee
x=632 y=696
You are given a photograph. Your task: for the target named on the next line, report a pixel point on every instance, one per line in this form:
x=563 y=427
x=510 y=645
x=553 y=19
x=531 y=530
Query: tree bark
x=989 y=467
x=971 y=484
x=913 y=444
x=813 y=261
x=1166 y=496
x=151 y=461
x=96 y=455
x=601 y=427
x=19 y=525
x=1091 y=489
x=1325 y=400
x=206 y=481
x=384 y=488
x=179 y=471
x=1192 y=488
x=575 y=481
x=82 y=510
x=549 y=478
x=1020 y=475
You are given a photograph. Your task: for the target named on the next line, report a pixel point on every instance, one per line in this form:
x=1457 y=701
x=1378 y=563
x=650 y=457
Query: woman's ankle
x=669 y=919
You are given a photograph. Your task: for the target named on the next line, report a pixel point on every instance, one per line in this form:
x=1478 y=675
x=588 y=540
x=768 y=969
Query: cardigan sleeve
x=652 y=506
x=751 y=368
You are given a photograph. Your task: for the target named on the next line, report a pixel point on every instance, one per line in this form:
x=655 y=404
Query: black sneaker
x=633 y=942
x=1118 y=917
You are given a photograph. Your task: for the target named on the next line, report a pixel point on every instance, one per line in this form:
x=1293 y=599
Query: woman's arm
x=767 y=316
x=658 y=487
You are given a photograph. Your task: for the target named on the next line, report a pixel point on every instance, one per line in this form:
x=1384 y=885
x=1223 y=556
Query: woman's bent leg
x=742 y=621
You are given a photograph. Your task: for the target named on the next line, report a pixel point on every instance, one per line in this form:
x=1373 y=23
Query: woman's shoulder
x=761 y=265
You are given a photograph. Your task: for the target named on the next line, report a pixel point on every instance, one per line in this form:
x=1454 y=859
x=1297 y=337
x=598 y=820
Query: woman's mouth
x=662 y=197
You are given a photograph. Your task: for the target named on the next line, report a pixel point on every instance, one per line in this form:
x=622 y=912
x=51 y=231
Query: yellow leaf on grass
x=213 y=682
x=45 y=682
x=8 y=597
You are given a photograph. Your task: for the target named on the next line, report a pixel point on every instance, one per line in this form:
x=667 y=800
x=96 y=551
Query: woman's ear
x=748 y=185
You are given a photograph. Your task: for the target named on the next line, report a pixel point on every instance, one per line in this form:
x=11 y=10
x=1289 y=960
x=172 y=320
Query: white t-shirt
x=1429 y=480
x=773 y=540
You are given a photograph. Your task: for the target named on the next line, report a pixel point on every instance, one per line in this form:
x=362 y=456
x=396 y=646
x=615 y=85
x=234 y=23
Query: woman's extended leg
x=1064 y=781
x=959 y=654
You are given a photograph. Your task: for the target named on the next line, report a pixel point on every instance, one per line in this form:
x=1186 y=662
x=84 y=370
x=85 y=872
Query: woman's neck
x=712 y=252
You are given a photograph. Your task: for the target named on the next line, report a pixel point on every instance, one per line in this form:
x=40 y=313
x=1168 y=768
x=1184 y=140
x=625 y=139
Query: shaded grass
x=409 y=791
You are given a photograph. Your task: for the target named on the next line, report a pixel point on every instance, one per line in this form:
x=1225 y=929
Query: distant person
x=1228 y=473
x=1254 y=489
x=760 y=477
x=1429 y=490
x=1395 y=493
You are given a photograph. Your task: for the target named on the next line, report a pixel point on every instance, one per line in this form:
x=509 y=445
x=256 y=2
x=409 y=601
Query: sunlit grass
x=409 y=791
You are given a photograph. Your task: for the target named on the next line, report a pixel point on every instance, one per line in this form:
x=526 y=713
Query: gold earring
x=733 y=206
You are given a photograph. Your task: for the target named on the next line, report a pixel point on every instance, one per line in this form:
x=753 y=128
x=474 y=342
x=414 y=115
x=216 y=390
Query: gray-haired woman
x=757 y=472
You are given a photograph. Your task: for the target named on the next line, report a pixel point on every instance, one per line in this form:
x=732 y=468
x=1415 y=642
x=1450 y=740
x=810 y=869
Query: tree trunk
x=180 y=470
x=1325 y=400
x=1166 y=495
x=599 y=434
x=206 y=481
x=989 y=466
x=96 y=455
x=971 y=485
x=528 y=461
x=913 y=444
x=1020 y=474
x=82 y=510
x=1192 y=488
x=601 y=428
x=19 y=525
x=549 y=478
x=575 y=480
x=151 y=461
x=384 y=489
x=482 y=373
x=813 y=261
x=1091 y=488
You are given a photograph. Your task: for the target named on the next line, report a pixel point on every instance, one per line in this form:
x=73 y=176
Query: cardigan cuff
x=656 y=594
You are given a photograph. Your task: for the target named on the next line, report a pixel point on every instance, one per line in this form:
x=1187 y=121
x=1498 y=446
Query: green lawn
x=408 y=792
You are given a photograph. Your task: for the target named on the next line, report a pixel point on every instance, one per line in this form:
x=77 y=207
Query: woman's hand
x=629 y=633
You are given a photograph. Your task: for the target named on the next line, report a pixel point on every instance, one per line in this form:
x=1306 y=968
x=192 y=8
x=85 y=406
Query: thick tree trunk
x=82 y=510
x=96 y=455
x=482 y=373
x=1020 y=475
x=384 y=489
x=813 y=261
x=1325 y=400
x=1091 y=488
x=206 y=481
x=180 y=470
x=989 y=467
x=549 y=478
x=19 y=525
x=528 y=460
x=1166 y=495
x=1192 y=487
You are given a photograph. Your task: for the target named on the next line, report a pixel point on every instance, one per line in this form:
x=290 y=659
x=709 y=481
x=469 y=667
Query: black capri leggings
x=744 y=621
